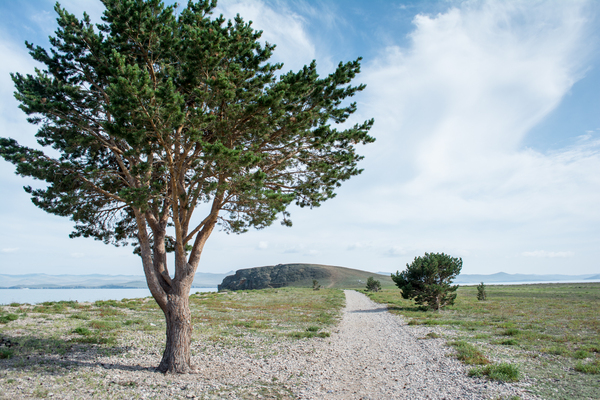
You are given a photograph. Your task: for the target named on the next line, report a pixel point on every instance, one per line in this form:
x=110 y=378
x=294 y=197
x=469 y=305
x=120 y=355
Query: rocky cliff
x=275 y=276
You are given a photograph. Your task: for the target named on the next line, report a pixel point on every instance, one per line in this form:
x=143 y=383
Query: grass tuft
x=468 y=353
x=6 y=353
x=589 y=368
x=82 y=331
x=502 y=372
x=5 y=319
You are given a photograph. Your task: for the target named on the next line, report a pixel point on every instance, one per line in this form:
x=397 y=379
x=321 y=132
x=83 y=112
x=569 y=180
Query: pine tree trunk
x=176 y=358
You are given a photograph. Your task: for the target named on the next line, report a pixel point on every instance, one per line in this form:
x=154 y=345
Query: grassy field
x=547 y=332
x=55 y=341
x=345 y=278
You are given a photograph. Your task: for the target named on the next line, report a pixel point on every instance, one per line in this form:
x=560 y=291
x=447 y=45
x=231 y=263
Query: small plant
x=5 y=319
x=6 y=353
x=468 y=353
x=581 y=354
x=373 y=285
x=316 y=285
x=82 y=331
x=589 y=368
x=432 y=335
x=511 y=332
x=502 y=372
x=481 y=295
x=79 y=316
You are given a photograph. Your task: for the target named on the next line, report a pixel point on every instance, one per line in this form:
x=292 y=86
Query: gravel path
x=376 y=355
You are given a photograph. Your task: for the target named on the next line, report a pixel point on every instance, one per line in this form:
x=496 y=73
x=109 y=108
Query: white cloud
x=451 y=113
x=77 y=255
x=548 y=254
x=281 y=27
x=9 y=250
x=262 y=245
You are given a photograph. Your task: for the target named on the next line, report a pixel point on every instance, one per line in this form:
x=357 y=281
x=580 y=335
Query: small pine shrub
x=316 y=285
x=428 y=280
x=481 y=295
x=373 y=285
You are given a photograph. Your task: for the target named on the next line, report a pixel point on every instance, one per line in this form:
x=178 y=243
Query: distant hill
x=95 y=281
x=300 y=275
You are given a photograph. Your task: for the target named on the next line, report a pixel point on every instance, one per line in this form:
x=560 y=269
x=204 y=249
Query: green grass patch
x=502 y=372
x=6 y=353
x=581 y=354
x=592 y=367
x=80 y=315
x=308 y=334
x=5 y=319
x=82 y=331
x=104 y=325
x=468 y=353
x=511 y=332
x=549 y=327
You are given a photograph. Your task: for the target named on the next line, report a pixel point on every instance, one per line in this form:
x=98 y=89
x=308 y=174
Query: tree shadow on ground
x=374 y=310
x=27 y=352
x=421 y=309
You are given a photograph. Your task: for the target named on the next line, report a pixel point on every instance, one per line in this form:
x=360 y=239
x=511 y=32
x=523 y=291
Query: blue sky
x=488 y=139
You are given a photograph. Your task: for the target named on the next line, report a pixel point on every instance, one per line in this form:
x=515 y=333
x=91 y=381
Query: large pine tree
x=153 y=113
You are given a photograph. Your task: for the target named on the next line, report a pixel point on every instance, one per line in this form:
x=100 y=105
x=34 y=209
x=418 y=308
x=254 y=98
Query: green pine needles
x=373 y=285
x=155 y=112
x=428 y=280
x=481 y=294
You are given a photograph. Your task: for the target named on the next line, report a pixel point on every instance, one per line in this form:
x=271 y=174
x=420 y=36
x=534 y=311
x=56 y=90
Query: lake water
x=34 y=296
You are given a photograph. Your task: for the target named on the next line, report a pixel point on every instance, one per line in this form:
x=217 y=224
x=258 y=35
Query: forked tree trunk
x=176 y=357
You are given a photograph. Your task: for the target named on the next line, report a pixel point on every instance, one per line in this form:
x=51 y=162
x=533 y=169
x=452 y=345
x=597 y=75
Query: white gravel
x=371 y=354
x=376 y=355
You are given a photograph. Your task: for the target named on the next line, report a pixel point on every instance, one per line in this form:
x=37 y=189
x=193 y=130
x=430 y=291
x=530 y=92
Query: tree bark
x=176 y=357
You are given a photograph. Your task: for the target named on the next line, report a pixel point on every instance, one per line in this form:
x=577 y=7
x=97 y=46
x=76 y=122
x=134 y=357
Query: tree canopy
x=155 y=112
x=428 y=280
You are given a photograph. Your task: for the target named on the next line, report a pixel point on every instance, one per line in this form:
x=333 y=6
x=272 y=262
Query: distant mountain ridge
x=95 y=281
x=345 y=276
x=503 y=277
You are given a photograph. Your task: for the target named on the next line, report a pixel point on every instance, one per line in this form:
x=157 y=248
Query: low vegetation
x=481 y=294
x=549 y=333
x=373 y=285
x=35 y=343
